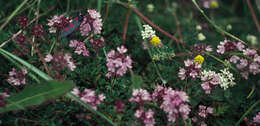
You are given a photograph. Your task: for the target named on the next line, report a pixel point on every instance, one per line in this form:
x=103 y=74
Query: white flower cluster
x=226 y=79
x=148 y=32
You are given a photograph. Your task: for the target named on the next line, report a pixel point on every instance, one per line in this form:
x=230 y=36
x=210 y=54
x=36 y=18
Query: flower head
x=155 y=41
x=89 y=96
x=199 y=59
x=37 y=30
x=118 y=62
x=16 y=77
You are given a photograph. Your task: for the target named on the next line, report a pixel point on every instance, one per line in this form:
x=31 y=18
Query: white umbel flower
x=148 y=32
x=226 y=79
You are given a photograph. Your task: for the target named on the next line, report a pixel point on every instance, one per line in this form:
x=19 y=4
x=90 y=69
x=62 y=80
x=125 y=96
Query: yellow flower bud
x=155 y=41
x=199 y=59
x=214 y=4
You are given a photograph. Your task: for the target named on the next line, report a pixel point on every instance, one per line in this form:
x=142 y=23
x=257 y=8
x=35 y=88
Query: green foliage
x=37 y=94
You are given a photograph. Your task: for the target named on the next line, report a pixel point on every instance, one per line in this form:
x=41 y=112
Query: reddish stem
x=40 y=55
x=157 y=27
x=126 y=25
x=253 y=15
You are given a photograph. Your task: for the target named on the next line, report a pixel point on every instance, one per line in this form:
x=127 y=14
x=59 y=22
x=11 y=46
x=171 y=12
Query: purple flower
x=89 y=96
x=201 y=49
x=58 y=23
x=227 y=46
x=16 y=77
x=118 y=63
x=79 y=47
x=2 y=99
x=37 y=30
x=175 y=104
x=146 y=117
x=23 y=22
x=192 y=70
x=209 y=80
x=140 y=96
x=204 y=111
x=92 y=21
x=60 y=61
x=257 y=118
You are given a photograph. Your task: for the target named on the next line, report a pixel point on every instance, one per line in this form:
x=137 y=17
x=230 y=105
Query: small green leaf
x=37 y=94
x=137 y=81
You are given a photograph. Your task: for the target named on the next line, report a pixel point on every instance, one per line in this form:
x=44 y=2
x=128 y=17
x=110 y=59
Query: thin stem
x=214 y=25
x=152 y=24
x=149 y=52
x=68 y=6
x=126 y=25
x=247 y=112
x=253 y=15
x=99 y=5
x=13 y=14
x=20 y=31
x=40 y=55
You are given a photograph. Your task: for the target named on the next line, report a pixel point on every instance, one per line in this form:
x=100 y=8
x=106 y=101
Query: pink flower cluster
x=249 y=63
x=92 y=22
x=201 y=49
x=17 y=77
x=257 y=118
x=227 y=46
x=118 y=63
x=61 y=61
x=203 y=113
x=174 y=103
x=209 y=80
x=89 y=96
x=97 y=44
x=146 y=117
x=142 y=96
x=58 y=22
x=192 y=70
x=79 y=47
x=2 y=99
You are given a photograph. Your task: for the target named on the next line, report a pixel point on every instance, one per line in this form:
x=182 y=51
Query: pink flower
x=227 y=46
x=85 y=28
x=58 y=23
x=234 y=59
x=48 y=58
x=140 y=96
x=89 y=96
x=60 y=61
x=146 y=117
x=118 y=63
x=175 y=104
x=93 y=22
x=257 y=118
x=79 y=47
x=204 y=111
x=17 y=78
x=192 y=70
x=69 y=61
x=2 y=99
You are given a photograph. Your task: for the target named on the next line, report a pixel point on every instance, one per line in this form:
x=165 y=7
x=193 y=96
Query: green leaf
x=37 y=94
x=137 y=81
x=29 y=66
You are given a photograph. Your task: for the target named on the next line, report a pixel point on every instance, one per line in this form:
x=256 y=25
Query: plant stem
x=253 y=15
x=247 y=112
x=215 y=26
x=139 y=24
x=99 y=5
x=13 y=14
